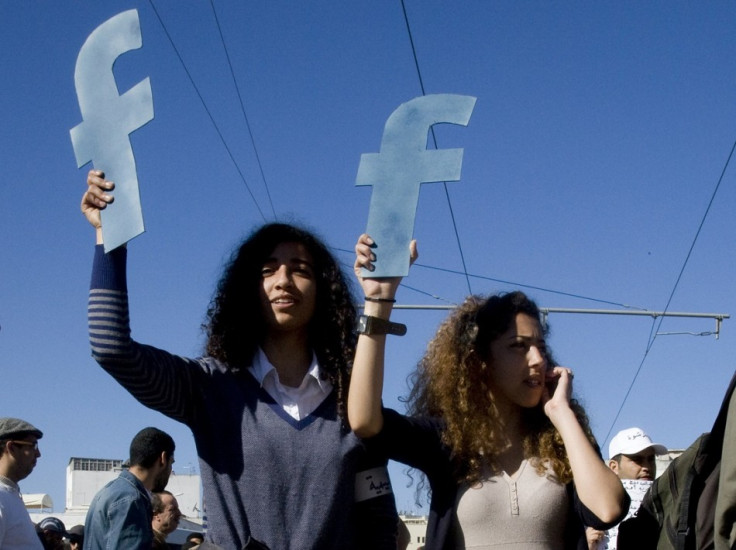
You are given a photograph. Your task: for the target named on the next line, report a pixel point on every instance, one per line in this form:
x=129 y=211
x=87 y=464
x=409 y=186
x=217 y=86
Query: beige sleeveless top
x=529 y=512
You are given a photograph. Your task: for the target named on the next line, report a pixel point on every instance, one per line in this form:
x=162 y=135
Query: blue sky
x=595 y=146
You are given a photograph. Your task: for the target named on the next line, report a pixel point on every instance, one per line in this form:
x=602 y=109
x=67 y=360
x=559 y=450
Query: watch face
x=376 y=325
x=363 y=324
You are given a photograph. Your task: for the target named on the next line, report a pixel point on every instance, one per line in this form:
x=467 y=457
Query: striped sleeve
x=158 y=379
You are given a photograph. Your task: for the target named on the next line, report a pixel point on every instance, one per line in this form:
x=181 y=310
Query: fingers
x=561 y=379
x=364 y=256
x=413 y=252
x=559 y=372
x=97 y=195
x=96 y=198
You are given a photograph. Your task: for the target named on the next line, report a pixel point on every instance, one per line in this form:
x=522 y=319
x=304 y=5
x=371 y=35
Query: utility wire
x=242 y=109
x=413 y=49
x=209 y=114
x=502 y=281
x=434 y=140
x=533 y=287
x=654 y=332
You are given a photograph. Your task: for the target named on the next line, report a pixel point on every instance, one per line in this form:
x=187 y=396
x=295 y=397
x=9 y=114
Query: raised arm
x=366 y=382
x=598 y=488
x=158 y=379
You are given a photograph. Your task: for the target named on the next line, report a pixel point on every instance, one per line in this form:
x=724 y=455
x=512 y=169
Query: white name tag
x=372 y=483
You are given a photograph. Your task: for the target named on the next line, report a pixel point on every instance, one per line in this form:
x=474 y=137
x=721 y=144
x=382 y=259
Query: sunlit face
x=518 y=364
x=642 y=465
x=288 y=289
x=25 y=453
x=168 y=520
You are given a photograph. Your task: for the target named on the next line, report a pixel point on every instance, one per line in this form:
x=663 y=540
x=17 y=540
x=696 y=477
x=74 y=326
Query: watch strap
x=367 y=324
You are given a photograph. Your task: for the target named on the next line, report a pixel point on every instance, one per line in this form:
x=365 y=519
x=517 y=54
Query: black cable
x=501 y=281
x=434 y=140
x=242 y=109
x=209 y=114
x=653 y=333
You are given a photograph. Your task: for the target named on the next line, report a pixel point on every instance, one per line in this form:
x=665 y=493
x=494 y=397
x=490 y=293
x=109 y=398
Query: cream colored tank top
x=529 y=512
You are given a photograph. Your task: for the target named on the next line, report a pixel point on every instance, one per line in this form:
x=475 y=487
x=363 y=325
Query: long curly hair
x=452 y=382
x=235 y=325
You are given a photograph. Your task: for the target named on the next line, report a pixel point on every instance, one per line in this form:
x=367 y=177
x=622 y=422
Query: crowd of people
x=285 y=406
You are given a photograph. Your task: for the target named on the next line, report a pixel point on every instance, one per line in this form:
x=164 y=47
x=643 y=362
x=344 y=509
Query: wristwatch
x=367 y=324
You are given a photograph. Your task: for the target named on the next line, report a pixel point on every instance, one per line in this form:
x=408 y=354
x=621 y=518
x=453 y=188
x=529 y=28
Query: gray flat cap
x=15 y=426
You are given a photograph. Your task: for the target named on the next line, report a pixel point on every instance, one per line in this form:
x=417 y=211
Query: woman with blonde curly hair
x=507 y=452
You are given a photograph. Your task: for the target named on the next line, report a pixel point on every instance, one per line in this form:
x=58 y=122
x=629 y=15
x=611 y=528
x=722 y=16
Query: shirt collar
x=262 y=368
x=10 y=483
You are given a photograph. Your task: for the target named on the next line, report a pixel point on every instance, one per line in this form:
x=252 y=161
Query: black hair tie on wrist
x=387 y=300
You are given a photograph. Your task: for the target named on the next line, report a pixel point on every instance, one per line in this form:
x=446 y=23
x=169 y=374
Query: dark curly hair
x=235 y=326
x=451 y=382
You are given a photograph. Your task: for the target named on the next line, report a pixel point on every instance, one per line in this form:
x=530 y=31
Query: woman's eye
x=266 y=271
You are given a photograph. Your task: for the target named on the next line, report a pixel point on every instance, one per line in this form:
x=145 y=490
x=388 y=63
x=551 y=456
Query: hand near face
x=557 y=391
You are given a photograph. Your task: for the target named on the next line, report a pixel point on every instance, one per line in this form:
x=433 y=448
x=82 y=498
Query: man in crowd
x=632 y=457
x=18 y=455
x=120 y=513
x=166 y=516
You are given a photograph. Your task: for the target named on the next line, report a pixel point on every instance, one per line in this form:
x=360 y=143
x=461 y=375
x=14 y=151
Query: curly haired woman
x=508 y=455
x=266 y=403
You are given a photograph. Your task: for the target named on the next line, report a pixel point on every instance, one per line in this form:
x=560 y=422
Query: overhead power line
x=434 y=141
x=496 y=280
x=654 y=332
x=204 y=104
x=242 y=109
x=545 y=311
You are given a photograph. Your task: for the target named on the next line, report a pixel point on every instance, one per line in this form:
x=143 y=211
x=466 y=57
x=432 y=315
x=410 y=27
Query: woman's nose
x=283 y=277
x=536 y=357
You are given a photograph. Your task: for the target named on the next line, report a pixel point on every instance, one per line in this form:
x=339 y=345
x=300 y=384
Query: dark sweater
x=287 y=483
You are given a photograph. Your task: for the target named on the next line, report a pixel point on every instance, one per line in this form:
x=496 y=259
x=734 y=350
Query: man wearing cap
x=633 y=459
x=52 y=532
x=18 y=455
x=633 y=455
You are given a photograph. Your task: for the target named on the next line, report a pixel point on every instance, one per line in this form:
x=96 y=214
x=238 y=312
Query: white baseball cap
x=632 y=441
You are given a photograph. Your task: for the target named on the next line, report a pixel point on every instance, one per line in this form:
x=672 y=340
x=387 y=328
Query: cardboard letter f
x=398 y=170
x=108 y=119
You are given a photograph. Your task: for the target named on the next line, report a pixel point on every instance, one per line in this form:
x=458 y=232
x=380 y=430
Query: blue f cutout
x=403 y=164
x=108 y=119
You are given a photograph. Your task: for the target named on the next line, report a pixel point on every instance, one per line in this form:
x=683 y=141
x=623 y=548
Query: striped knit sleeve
x=158 y=379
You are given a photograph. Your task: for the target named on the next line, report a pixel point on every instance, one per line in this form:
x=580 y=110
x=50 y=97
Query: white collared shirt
x=297 y=402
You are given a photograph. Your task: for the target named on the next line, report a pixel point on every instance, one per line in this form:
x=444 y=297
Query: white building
x=417 y=526
x=86 y=476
